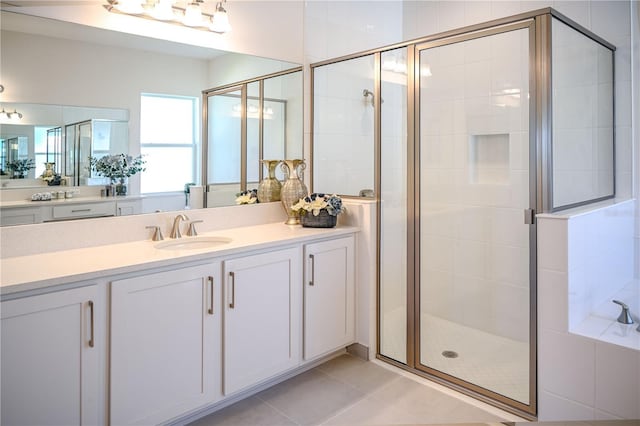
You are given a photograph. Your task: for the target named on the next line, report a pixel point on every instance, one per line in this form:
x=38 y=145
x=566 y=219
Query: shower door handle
x=529 y=216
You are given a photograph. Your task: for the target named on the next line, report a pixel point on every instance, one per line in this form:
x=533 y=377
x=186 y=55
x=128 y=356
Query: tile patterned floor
x=349 y=391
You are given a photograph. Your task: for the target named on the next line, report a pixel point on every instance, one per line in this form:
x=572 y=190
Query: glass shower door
x=225 y=135
x=473 y=245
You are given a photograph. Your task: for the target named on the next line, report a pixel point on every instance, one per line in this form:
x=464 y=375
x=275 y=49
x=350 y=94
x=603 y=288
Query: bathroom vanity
x=28 y=212
x=147 y=332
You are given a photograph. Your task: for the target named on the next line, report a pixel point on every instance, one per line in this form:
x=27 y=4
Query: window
x=40 y=148
x=168 y=142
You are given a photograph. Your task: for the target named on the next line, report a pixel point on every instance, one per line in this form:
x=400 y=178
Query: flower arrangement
x=247 y=197
x=315 y=203
x=21 y=167
x=117 y=166
x=324 y=210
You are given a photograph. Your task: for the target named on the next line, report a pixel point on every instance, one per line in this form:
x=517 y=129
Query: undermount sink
x=192 y=243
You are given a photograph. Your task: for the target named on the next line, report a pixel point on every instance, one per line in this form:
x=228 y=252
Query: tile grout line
x=278 y=411
x=365 y=394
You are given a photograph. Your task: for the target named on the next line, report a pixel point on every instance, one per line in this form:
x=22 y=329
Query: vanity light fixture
x=253 y=111
x=15 y=115
x=192 y=15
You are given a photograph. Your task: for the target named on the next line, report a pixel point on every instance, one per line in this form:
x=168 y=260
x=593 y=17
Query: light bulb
x=163 y=10
x=133 y=7
x=192 y=15
x=220 y=20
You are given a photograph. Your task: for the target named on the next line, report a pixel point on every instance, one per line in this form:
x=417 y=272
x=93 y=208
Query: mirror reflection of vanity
x=71 y=66
x=63 y=135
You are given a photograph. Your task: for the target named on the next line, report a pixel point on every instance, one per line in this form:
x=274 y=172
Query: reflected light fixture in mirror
x=15 y=115
x=192 y=15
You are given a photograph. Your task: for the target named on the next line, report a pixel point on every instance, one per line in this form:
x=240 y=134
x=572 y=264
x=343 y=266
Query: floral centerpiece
x=247 y=197
x=21 y=167
x=319 y=210
x=118 y=168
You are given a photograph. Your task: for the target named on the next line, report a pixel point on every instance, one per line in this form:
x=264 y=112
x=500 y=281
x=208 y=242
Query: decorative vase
x=292 y=189
x=323 y=220
x=48 y=170
x=269 y=187
x=121 y=186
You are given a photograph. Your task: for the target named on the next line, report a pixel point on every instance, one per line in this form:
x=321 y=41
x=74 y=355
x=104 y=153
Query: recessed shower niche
x=489 y=159
x=474 y=132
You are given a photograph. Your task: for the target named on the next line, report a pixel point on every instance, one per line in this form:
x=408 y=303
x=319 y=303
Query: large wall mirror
x=58 y=74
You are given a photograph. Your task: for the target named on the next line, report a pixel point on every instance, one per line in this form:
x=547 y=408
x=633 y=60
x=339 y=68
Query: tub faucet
x=175 y=231
x=625 y=316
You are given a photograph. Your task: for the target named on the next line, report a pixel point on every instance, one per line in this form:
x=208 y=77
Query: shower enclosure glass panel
x=393 y=205
x=343 y=140
x=253 y=135
x=582 y=81
x=474 y=247
x=224 y=147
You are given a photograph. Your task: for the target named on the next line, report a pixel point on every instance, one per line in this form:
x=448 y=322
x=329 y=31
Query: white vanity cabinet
x=262 y=317
x=128 y=207
x=165 y=344
x=23 y=215
x=329 y=296
x=50 y=369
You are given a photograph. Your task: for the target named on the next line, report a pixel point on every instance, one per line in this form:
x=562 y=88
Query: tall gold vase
x=269 y=187
x=293 y=188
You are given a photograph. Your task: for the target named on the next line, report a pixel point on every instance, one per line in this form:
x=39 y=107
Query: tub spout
x=625 y=316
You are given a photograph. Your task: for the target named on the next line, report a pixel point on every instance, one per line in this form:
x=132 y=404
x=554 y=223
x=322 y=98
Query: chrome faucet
x=625 y=316
x=175 y=231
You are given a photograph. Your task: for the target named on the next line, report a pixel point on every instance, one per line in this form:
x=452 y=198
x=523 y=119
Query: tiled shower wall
x=582 y=99
x=475 y=184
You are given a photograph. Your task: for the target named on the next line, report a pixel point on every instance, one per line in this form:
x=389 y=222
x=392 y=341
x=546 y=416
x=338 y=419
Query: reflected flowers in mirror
x=247 y=197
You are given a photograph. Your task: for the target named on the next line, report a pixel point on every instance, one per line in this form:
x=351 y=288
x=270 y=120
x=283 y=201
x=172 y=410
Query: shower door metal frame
x=540 y=138
x=413 y=240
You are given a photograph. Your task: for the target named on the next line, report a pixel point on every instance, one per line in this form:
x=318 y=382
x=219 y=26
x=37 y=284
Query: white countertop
x=40 y=271
x=62 y=201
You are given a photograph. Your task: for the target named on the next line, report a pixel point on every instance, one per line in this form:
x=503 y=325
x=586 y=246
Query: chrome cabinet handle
x=91 y=340
x=80 y=210
x=211 y=285
x=232 y=305
x=313 y=269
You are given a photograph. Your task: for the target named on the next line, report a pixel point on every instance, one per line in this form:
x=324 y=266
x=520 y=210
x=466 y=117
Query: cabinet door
x=127 y=208
x=49 y=359
x=165 y=344
x=21 y=216
x=329 y=296
x=262 y=317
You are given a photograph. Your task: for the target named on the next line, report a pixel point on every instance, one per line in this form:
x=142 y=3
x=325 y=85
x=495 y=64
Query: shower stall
x=463 y=137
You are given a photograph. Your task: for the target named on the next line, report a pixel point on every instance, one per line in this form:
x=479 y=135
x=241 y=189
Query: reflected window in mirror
x=40 y=148
x=169 y=140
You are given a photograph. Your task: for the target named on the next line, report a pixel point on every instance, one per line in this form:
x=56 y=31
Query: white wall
x=635 y=86
x=582 y=261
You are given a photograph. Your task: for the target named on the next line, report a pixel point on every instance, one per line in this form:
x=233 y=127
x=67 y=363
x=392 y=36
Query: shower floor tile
x=488 y=360
x=493 y=362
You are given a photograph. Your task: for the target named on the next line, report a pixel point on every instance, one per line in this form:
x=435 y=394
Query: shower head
x=366 y=93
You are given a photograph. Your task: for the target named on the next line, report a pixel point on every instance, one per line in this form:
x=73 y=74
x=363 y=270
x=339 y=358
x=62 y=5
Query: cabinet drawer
x=21 y=216
x=84 y=210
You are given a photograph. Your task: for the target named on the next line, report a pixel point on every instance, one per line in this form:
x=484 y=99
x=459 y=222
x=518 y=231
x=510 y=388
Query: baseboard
x=359 y=350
